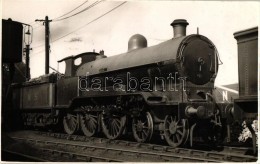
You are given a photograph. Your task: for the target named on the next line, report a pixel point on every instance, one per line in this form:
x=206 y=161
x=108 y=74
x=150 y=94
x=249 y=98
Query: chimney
x=179 y=27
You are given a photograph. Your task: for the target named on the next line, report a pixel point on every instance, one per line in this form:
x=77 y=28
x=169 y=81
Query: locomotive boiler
x=164 y=89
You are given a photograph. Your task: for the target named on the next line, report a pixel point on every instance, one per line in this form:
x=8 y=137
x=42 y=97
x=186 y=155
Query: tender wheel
x=113 y=125
x=88 y=123
x=70 y=123
x=175 y=131
x=142 y=127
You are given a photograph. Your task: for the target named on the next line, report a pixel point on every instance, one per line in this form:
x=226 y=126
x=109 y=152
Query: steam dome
x=137 y=41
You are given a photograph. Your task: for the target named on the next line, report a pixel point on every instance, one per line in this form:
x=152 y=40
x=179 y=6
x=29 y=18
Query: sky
x=217 y=20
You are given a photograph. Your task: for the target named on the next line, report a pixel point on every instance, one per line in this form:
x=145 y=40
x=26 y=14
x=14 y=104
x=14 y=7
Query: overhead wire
x=71 y=11
x=91 y=21
x=33 y=23
x=83 y=25
x=85 y=9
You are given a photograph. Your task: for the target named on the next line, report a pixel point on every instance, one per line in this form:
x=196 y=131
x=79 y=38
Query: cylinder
x=190 y=111
x=179 y=27
x=200 y=112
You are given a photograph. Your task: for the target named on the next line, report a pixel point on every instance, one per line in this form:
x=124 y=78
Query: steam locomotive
x=164 y=89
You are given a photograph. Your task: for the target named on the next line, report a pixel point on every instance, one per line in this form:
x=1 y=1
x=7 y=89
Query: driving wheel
x=175 y=131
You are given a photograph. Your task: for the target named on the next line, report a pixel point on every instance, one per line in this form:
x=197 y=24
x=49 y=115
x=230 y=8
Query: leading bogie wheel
x=142 y=127
x=70 y=123
x=176 y=132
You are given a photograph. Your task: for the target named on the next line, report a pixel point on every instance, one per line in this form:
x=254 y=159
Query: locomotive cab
x=71 y=67
x=67 y=86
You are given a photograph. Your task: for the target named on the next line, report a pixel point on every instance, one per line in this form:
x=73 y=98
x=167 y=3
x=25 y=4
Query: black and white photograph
x=129 y=81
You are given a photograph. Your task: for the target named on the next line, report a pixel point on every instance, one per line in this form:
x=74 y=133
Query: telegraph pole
x=47 y=42
x=47 y=45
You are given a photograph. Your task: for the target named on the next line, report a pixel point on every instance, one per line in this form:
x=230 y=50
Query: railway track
x=16 y=156
x=226 y=149
x=103 y=153
x=80 y=148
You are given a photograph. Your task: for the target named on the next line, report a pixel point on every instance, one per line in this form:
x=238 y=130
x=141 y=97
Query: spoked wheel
x=113 y=125
x=175 y=131
x=142 y=127
x=88 y=123
x=70 y=123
